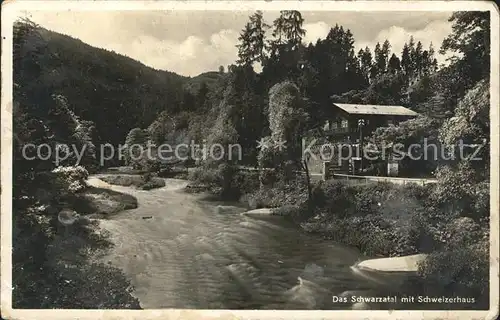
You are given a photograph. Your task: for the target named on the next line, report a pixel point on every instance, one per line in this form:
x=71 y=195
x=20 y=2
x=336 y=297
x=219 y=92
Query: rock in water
x=67 y=217
x=312 y=270
x=259 y=212
x=306 y=295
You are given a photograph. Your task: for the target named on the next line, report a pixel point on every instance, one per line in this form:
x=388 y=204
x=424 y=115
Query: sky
x=193 y=42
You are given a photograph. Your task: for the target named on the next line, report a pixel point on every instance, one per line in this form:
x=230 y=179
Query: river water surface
x=180 y=251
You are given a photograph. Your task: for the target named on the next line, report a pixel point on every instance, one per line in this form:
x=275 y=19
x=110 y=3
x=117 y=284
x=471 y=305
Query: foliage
x=245 y=182
x=62 y=280
x=145 y=182
x=421 y=131
x=160 y=127
x=407 y=132
x=334 y=197
x=74 y=178
x=286 y=122
x=287 y=33
x=101 y=201
x=293 y=193
x=135 y=147
x=218 y=166
x=220 y=180
x=461 y=191
x=380 y=219
x=470 y=41
x=464 y=182
x=252 y=41
x=462 y=270
x=470 y=124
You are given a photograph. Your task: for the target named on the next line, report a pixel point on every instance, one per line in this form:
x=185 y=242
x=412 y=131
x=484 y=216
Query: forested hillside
x=114 y=92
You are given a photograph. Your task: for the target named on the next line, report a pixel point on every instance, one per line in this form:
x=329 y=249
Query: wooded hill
x=114 y=92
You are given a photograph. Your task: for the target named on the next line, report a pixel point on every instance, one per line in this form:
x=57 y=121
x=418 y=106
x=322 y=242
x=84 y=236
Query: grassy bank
x=174 y=172
x=102 y=201
x=144 y=182
x=55 y=265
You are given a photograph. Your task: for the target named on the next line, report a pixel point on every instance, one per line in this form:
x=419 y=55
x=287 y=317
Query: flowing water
x=180 y=251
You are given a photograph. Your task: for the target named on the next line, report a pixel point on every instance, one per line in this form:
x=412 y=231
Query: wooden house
x=348 y=124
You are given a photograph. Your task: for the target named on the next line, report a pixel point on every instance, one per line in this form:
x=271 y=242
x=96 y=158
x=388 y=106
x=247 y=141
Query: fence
x=359 y=180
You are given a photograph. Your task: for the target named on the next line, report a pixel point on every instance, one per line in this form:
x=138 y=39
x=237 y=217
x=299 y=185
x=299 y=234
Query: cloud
x=433 y=33
x=190 y=43
x=190 y=57
x=315 y=31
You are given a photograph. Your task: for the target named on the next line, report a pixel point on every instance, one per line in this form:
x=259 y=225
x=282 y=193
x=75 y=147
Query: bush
x=294 y=212
x=411 y=234
x=282 y=194
x=246 y=182
x=67 y=278
x=379 y=218
x=335 y=197
x=153 y=183
x=365 y=233
x=462 y=270
x=481 y=206
x=101 y=201
x=72 y=178
x=461 y=192
x=369 y=198
x=145 y=182
x=146 y=177
x=463 y=231
x=221 y=180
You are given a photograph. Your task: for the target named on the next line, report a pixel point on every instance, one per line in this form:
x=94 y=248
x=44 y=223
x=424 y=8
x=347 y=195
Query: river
x=180 y=251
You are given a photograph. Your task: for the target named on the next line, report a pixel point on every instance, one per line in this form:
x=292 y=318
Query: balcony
x=338 y=130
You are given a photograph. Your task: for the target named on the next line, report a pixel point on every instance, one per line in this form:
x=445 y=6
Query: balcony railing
x=338 y=130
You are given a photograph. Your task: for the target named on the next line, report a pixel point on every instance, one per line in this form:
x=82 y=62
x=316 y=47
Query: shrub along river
x=180 y=251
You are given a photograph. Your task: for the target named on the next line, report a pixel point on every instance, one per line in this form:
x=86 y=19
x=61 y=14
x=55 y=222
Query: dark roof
x=375 y=109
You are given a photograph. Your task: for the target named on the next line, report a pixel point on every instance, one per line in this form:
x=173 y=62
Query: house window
x=334 y=125
x=344 y=124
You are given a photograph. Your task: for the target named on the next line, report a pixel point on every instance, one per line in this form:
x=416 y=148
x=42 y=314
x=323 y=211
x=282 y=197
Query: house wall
x=340 y=134
x=337 y=130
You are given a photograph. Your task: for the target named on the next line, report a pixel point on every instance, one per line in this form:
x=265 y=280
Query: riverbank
x=142 y=182
x=99 y=200
x=385 y=220
x=57 y=240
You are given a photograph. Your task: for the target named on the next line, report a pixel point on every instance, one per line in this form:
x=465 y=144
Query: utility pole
x=361 y=124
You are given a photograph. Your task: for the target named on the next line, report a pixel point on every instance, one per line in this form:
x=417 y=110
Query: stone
x=393 y=264
x=259 y=212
